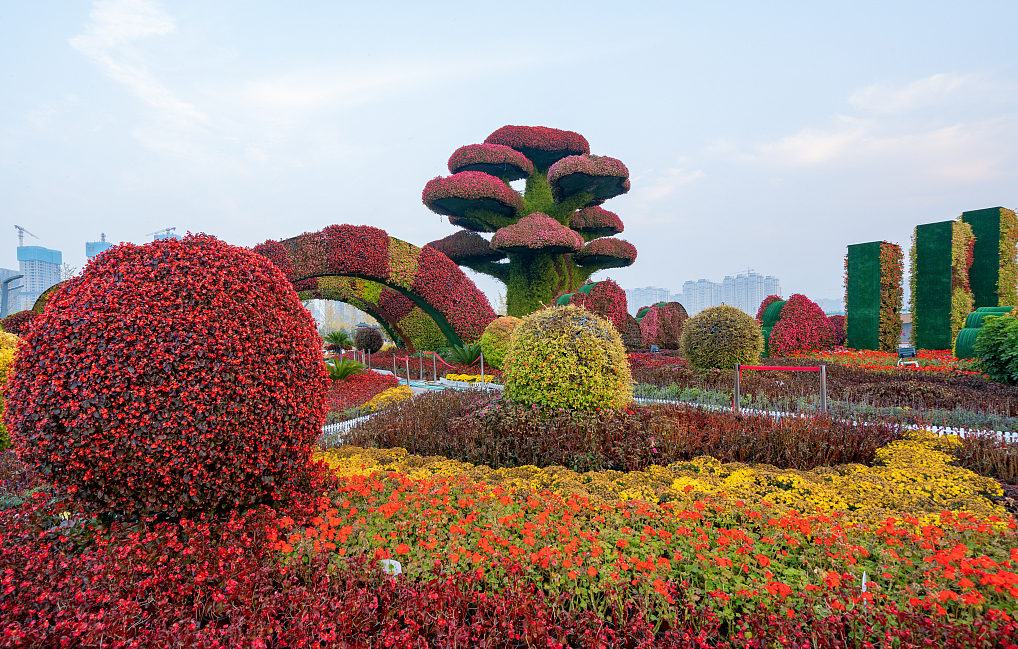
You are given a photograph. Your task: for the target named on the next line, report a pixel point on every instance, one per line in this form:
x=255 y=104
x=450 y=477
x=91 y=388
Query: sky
x=757 y=135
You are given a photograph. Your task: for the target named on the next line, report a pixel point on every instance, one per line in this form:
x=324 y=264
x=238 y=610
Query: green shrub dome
x=567 y=357
x=720 y=337
x=495 y=340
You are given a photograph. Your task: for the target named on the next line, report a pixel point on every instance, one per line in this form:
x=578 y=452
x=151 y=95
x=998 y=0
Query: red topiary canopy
x=177 y=376
x=541 y=145
x=802 y=327
x=537 y=232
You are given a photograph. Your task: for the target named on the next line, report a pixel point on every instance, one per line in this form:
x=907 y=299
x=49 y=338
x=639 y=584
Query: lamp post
x=3 y=298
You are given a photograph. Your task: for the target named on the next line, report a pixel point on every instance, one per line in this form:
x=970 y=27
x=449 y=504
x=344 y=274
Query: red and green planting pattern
x=418 y=294
x=551 y=239
x=357 y=390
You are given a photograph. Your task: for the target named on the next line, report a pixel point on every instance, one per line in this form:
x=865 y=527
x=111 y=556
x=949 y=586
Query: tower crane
x=21 y=235
x=163 y=231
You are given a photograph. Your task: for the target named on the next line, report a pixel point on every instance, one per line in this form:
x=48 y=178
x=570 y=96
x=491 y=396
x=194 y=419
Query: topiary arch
x=419 y=295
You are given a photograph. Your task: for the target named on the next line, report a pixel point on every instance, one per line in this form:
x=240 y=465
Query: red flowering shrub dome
x=662 y=324
x=606 y=299
x=840 y=333
x=177 y=376
x=802 y=327
x=767 y=301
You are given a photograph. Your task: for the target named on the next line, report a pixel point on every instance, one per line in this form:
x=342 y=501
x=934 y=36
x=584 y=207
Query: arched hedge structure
x=419 y=295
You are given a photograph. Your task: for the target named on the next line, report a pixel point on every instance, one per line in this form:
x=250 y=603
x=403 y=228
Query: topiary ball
x=720 y=337
x=368 y=339
x=567 y=357
x=495 y=340
x=178 y=376
x=802 y=327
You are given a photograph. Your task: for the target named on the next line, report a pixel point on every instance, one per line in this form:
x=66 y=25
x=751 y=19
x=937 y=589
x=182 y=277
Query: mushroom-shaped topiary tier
x=538 y=246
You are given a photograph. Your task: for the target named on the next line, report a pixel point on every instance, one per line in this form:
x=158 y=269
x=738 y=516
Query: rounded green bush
x=495 y=340
x=567 y=357
x=720 y=337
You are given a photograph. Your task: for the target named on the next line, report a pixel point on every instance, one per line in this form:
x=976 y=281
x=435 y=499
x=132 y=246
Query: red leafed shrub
x=495 y=159
x=280 y=257
x=803 y=327
x=662 y=325
x=840 y=334
x=608 y=300
x=368 y=339
x=443 y=285
x=18 y=323
x=359 y=250
x=537 y=232
x=767 y=301
x=542 y=145
x=470 y=189
x=607 y=249
x=176 y=376
x=355 y=391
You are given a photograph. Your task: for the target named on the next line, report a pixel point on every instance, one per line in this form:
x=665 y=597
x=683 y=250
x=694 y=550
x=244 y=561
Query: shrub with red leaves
x=18 y=323
x=177 y=376
x=356 y=390
x=607 y=252
x=608 y=300
x=495 y=159
x=595 y=221
x=455 y=194
x=368 y=339
x=803 y=327
x=840 y=334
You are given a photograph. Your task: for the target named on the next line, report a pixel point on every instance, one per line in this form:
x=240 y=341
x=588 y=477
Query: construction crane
x=21 y=235
x=165 y=231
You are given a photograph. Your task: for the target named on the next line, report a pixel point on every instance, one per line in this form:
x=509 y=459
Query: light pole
x=3 y=298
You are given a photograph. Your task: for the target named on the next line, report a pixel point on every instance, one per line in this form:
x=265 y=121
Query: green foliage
x=464 y=354
x=997 y=349
x=338 y=340
x=342 y=368
x=495 y=340
x=720 y=337
x=567 y=357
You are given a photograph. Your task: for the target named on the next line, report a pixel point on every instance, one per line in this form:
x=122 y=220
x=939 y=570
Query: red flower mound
x=453 y=195
x=767 y=301
x=542 y=145
x=495 y=159
x=803 y=327
x=662 y=325
x=602 y=176
x=537 y=232
x=18 y=323
x=177 y=376
x=607 y=252
x=598 y=220
x=356 y=390
x=608 y=300
x=840 y=333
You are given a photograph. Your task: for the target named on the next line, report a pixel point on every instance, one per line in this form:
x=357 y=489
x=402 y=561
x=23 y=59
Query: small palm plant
x=338 y=340
x=465 y=354
x=343 y=368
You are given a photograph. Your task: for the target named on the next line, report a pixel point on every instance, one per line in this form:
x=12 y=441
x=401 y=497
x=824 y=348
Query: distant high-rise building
x=646 y=296
x=93 y=248
x=41 y=268
x=744 y=291
x=13 y=303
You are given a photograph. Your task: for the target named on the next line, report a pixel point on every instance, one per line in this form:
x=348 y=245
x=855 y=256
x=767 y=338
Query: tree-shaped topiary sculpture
x=551 y=239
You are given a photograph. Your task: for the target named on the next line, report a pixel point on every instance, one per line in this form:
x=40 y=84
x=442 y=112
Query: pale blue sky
x=763 y=135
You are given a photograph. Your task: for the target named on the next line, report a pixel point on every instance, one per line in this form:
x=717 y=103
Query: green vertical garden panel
x=985 y=269
x=933 y=286
x=862 y=299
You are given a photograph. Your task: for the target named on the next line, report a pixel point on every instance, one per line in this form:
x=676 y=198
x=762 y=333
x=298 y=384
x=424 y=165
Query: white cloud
x=884 y=98
x=665 y=183
x=108 y=39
